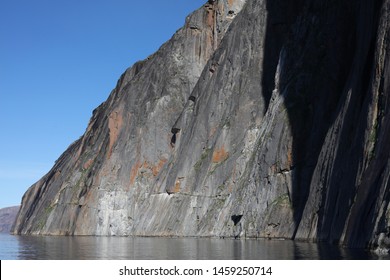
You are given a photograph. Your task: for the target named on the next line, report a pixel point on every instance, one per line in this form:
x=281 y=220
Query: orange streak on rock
x=134 y=172
x=157 y=168
x=115 y=122
x=290 y=158
x=88 y=164
x=220 y=155
x=210 y=18
x=146 y=167
x=177 y=186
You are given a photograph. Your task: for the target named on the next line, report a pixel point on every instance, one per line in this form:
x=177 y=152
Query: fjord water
x=121 y=248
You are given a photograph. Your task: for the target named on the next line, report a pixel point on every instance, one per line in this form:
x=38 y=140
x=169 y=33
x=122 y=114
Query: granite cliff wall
x=257 y=119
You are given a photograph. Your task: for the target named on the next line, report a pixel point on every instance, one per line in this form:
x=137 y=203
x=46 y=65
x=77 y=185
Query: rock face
x=7 y=218
x=258 y=118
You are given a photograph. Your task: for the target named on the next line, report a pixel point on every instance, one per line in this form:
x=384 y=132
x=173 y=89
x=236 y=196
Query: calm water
x=118 y=248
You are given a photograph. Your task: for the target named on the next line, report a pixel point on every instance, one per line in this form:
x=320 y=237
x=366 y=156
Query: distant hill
x=7 y=218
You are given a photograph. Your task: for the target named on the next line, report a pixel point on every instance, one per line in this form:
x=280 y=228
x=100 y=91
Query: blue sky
x=58 y=61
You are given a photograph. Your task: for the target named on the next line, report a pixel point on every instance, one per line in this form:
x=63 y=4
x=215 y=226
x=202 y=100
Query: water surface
x=127 y=248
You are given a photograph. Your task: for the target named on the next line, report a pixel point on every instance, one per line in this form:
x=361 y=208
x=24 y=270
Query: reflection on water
x=117 y=248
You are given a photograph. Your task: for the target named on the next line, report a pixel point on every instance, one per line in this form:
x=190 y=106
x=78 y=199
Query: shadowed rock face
x=257 y=119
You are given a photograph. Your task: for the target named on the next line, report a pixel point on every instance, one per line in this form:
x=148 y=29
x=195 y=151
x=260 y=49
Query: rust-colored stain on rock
x=177 y=186
x=151 y=168
x=87 y=164
x=115 y=122
x=157 y=168
x=134 y=172
x=220 y=155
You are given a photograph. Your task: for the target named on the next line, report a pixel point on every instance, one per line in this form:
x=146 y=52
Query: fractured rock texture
x=257 y=119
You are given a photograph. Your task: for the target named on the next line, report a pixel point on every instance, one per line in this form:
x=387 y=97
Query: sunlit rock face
x=256 y=119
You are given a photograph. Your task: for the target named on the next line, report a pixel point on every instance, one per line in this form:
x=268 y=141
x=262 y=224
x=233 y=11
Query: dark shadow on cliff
x=281 y=15
x=328 y=50
x=374 y=187
x=343 y=188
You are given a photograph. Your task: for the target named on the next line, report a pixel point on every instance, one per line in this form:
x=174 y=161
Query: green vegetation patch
x=203 y=156
x=283 y=200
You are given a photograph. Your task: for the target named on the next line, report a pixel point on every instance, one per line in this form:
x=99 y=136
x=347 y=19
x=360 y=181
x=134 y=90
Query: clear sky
x=59 y=59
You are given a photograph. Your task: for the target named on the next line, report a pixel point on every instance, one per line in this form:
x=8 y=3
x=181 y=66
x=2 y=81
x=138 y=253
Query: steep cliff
x=257 y=119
